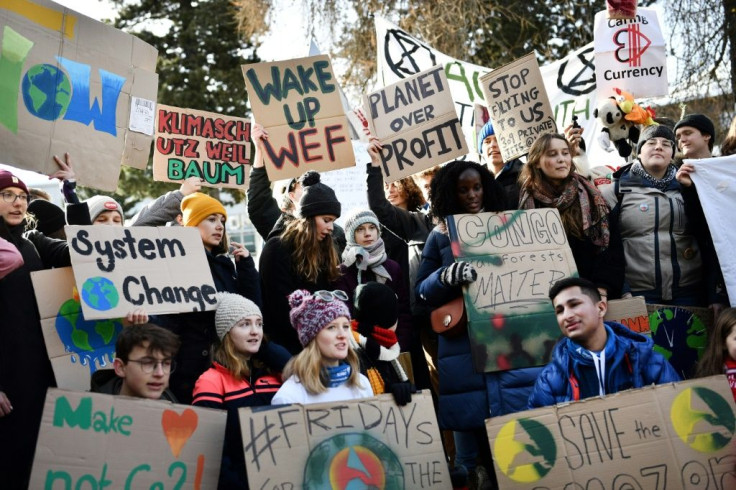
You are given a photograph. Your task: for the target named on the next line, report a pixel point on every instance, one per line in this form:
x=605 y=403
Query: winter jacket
x=466 y=397
x=509 y=180
x=278 y=280
x=348 y=282
x=160 y=212
x=25 y=368
x=662 y=254
x=107 y=382
x=196 y=330
x=630 y=359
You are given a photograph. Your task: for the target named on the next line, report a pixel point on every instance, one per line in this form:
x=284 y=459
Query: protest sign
x=630 y=55
x=297 y=101
x=162 y=270
x=518 y=255
x=680 y=334
x=518 y=105
x=191 y=143
x=678 y=435
x=368 y=443
x=631 y=312
x=416 y=123
x=68 y=84
x=715 y=180
x=76 y=346
x=90 y=440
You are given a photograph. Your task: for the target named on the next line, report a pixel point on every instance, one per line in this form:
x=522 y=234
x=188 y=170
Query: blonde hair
x=308 y=368
x=228 y=356
x=310 y=255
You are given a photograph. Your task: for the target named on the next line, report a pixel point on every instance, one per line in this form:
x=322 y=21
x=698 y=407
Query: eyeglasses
x=652 y=142
x=148 y=365
x=11 y=197
x=331 y=295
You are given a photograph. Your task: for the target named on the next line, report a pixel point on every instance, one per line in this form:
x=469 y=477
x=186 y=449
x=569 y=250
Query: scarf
x=662 y=184
x=388 y=343
x=593 y=208
x=372 y=256
x=730 y=369
x=338 y=374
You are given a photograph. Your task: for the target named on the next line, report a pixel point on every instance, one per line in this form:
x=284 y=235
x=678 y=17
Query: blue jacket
x=630 y=363
x=467 y=397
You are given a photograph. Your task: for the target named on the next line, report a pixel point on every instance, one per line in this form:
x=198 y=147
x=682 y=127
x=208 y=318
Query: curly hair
x=715 y=354
x=443 y=192
x=311 y=257
x=414 y=197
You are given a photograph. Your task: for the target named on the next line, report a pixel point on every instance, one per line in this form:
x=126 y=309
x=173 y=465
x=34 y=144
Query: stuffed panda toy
x=616 y=129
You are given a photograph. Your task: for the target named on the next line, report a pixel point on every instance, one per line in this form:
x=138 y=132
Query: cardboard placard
x=678 y=435
x=631 y=312
x=76 y=346
x=630 y=54
x=680 y=334
x=192 y=143
x=518 y=105
x=162 y=270
x=297 y=101
x=90 y=440
x=67 y=86
x=518 y=255
x=416 y=122
x=370 y=442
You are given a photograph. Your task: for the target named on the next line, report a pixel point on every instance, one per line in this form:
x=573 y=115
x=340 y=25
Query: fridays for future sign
x=298 y=102
x=416 y=122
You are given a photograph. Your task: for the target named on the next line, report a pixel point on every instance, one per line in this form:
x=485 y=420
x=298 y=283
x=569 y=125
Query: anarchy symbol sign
x=577 y=76
x=405 y=55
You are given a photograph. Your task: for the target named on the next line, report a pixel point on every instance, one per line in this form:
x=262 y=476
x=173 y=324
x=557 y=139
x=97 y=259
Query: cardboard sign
x=631 y=312
x=76 y=346
x=630 y=54
x=518 y=255
x=715 y=180
x=67 y=86
x=415 y=121
x=162 y=270
x=518 y=105
x=368 y=443
x=679 y=435
x=191 y=143
x=298 y=103
x=89 y=440
x=680 y=334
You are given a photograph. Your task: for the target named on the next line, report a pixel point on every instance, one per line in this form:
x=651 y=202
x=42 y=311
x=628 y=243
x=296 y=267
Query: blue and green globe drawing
x=46 y=91
x=100 y=293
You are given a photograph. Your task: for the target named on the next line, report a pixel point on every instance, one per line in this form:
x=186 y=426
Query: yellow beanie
x=196 y=207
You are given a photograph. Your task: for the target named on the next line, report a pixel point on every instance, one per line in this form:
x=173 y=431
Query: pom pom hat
x=317 y=198
x=231 y=308
x=197 y=206
x=310 y=313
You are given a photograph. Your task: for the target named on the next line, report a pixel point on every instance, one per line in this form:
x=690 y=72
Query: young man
x=506 y=173
x=144 y=360
x=695 y=135
x=595 y=358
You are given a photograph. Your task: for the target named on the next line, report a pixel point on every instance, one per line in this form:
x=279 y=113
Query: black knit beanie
x=376 y=304
x=317 y=198
x=700 y=122
x=656 y=131
x=49 y=216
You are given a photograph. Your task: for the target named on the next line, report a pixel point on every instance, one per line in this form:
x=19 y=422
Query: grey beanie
x=317 y=198
x=356 y=218
x=99 y=204
x=656 y=131
x=231 y=308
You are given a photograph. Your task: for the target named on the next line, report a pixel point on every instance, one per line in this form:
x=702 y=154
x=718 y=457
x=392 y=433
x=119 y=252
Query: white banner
x=715 y=179
x=630 y=54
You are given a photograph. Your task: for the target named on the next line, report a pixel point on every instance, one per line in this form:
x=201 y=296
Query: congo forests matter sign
x=518 y=255
x=90 y=440
x=298 y=102
x=674 y=436
x=162 y=270
x=368 y=443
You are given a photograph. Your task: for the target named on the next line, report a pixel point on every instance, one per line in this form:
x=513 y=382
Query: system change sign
x=161 y=270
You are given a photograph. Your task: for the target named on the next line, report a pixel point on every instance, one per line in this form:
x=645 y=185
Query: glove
x=458 y=273
x=402 y=392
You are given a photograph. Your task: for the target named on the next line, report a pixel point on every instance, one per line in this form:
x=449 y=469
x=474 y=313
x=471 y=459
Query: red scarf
x=730 y=368
x=383 y=336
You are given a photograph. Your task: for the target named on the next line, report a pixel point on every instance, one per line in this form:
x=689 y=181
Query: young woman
x=364 y=260
x=197 y=329
x=302 y=257
x=245 y=373
x=327 y=369
x=549 y=180
x=720 y=353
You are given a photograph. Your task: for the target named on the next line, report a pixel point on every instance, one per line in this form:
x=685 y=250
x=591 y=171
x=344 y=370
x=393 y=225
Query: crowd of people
x=328 y=311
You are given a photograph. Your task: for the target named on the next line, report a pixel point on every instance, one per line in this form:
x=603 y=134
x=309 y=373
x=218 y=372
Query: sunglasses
x=328 y=296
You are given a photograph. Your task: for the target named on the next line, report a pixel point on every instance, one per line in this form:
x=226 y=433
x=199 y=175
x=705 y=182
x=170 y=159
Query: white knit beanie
x=356 y=218
x=231 y=308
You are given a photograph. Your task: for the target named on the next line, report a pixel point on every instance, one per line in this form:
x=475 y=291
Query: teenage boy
x=144 y=360
x=695 y=135
x=595 y=358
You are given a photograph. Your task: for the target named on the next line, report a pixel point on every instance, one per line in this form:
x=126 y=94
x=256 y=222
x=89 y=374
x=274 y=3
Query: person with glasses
x=144 y=360
x=245 y=372
x=327 y=369
x=658 y=224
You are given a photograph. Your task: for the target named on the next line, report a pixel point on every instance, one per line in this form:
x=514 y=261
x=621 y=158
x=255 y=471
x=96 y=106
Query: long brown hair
x=311 y=256
x=307 y=367
x=715 y=351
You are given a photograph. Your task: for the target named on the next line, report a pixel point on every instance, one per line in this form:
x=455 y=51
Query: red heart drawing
x=178 y=428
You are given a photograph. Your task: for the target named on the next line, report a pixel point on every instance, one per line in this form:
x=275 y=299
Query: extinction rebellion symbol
x=632 y=44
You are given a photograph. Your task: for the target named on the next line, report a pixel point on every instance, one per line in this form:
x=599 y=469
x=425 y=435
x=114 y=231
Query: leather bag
x=450 y=319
